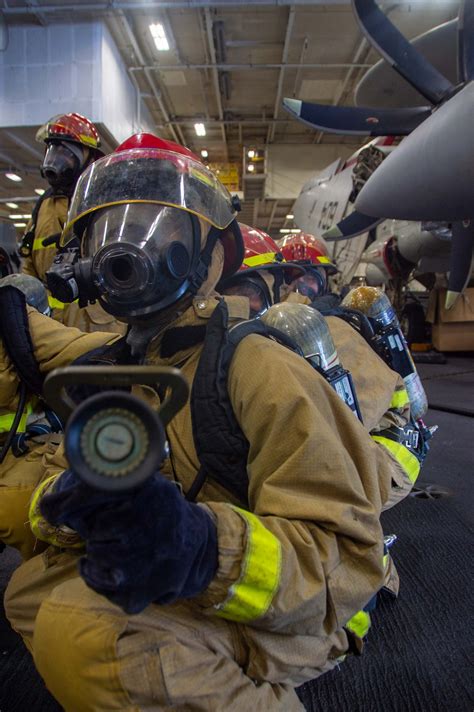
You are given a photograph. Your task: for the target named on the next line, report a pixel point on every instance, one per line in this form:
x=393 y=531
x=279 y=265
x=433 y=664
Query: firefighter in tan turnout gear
x=38 y=432
x=234 y=599
x=72 y=143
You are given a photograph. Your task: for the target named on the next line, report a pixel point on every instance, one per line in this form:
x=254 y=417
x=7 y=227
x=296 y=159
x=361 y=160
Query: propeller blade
x=399 y=52
x=460 y=263
x=430 y=176
x=354 y=224
x=466 y=41
x=381 y=86
x=356 y=120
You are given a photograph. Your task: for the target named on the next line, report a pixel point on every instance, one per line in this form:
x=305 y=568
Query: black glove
x=146 y=545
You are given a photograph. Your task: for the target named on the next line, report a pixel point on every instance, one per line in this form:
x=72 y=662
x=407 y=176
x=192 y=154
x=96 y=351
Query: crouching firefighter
x=31 y=345
x=234 y=598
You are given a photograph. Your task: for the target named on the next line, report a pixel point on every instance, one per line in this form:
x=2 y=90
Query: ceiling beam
x=112 y=6
x=255 y=212
x=155 y=90
x=24 y=145
x=272 y=215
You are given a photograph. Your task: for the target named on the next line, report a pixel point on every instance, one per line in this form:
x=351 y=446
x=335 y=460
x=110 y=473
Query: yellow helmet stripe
x=258 y=260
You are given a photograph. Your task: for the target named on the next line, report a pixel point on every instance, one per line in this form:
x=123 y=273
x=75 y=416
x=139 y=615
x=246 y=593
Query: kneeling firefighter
x=72 y=143
x=367 y=309
x=258 y=586
x=31 y=345
x=383 y=400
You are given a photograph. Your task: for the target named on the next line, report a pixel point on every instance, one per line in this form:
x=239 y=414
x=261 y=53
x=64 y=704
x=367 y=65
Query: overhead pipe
x=286 y=48
x=243 y=67
x=215 y=77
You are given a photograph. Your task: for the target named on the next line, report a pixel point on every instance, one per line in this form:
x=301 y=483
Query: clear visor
x=152 y=228
x=150 y=176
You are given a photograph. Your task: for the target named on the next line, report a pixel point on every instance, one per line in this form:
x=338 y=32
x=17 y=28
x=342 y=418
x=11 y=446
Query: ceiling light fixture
x=14 y=177
x=15 y=217
x=204 y=153
x=251 y=168
x=290 y=216
x=159 y=36
x=284 y=230
x=26 y=217
x=20 y=224
x=200 y=129
x=39 y=191
x=13 y=206
x=251 y=153
x=296 y=230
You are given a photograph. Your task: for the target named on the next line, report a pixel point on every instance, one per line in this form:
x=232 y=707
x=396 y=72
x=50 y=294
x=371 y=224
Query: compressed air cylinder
x=309 y=330
x=375 y=304
x=33 y=289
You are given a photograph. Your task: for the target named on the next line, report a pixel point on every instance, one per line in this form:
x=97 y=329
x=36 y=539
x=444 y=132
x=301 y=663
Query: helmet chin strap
x=201 y=271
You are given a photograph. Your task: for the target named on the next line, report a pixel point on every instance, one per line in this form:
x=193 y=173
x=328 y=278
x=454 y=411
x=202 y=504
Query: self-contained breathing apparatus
x=388 y=341
x=308 y=328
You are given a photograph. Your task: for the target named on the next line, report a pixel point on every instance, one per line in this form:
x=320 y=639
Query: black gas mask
x=63 y=163
x=136 y=259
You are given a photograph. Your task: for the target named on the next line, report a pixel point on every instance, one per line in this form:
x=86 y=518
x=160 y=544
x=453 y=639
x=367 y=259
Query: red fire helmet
x=303 y=247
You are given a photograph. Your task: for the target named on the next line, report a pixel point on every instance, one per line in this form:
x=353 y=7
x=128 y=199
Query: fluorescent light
x=251 y=153
x=204 y=153
x=296 y=230
x=26 y=217
x=13 y=206
x=200 y=129
x=284 y=230
x=159 y=36
x=39 y=191
x=19 y=224
x=290 y=216
x=251 y=168
x=16 y=217
x=14 y=177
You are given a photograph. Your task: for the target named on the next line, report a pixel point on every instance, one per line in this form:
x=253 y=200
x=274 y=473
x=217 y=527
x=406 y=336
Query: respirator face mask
x=313 y=284
x=136 y=259
x=62 y=164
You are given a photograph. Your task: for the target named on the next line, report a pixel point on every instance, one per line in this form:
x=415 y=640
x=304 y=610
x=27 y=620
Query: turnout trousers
x=96 y=658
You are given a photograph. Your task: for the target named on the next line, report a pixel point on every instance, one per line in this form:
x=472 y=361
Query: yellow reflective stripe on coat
x=258 y=260
x=55 y=303
x=38 y=244
x=6 y=421
x=400 y=399
x=402 y=455
x=250 y=597
x=359 y=624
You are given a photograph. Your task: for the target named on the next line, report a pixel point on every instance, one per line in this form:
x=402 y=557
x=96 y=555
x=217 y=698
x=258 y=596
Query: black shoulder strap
x=220 y=443
x=26 y=246
x=15 y=334
x=354 y=318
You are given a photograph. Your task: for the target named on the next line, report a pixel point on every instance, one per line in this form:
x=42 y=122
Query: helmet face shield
x=141 y=255
x=150 y=176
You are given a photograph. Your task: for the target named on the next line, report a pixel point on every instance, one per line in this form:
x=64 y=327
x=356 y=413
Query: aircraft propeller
x=430 y=176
